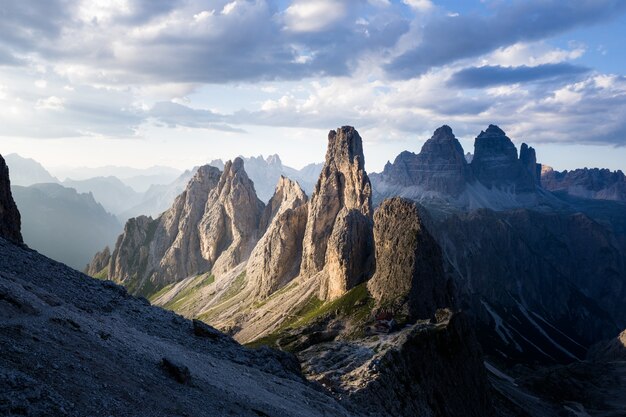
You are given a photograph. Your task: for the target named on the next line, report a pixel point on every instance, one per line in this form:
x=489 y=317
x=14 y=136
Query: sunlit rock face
x=338 y=237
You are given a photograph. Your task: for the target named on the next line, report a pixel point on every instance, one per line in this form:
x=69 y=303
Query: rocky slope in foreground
x=76 y=346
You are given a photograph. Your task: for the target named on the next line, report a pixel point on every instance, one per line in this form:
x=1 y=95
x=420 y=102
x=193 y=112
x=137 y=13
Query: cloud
x=178 y=115
x=487 y=76
x=445 y=40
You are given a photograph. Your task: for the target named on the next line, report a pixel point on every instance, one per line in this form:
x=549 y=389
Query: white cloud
x=421 y=5
x=313 y=15
x=50 y=103
x=229 y=7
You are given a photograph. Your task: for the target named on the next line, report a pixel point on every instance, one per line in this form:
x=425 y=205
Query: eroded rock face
x=228 y=229
x=595 y=183
x=495 y=163
x=276 y=258
x=409 y=265
x=99 y=262
x=10 y=221
x=340 y=206
x=440 y=166
x=212 y=225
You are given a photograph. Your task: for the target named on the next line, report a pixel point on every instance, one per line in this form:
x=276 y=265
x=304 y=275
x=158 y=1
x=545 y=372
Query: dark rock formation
x=495 y=163
x=440 y=166
x=10 y=222
x=426 y=369
x=409 y=265
x=74 y=346
x=546 y=285
x=595 y=183
x=338 y=236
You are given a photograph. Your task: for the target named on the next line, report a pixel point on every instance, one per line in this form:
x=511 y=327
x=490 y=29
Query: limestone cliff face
x=99 y=263
x=409 y=264
x=495 y=163
x=10 y=221
x=131 y=256
x=212 y=225
x=276 y=258
x=595 y=183
x=228 y=229
x=440 y=166
x=177 y=237
x=338 y=237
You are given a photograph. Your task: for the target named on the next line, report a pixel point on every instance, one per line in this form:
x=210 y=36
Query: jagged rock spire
x=338 y=237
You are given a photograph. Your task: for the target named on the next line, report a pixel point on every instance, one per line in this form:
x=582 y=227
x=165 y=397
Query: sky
x=181 y=82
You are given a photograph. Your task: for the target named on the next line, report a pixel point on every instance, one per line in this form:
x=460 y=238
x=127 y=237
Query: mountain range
x=444 y=286
x=541 y=276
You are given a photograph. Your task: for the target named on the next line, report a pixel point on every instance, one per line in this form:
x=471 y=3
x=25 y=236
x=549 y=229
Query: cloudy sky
x=180 y=82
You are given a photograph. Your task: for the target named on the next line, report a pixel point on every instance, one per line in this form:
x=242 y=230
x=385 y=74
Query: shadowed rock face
x=440 y=166
x=601 y=184
x=338 y=235
x=74 y=346
x=276 y=258
x=495 y=163
x=557 y=280
x=409 y=265
x=9 y=215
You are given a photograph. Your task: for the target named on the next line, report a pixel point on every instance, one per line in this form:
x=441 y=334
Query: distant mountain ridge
x=440 y=175
x=63 y=224
x=594 y=183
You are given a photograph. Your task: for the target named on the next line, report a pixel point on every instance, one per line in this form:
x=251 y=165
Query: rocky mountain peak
x=409 y=273
x=528 y=158
x=345 y=147
x=338 y=236
x=275 y=259
x=495 y=163
x=228 y=229
x=10 y=221
x=274 y=160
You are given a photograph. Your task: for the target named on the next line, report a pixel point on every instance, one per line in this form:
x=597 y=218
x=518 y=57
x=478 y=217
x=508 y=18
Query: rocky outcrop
x=411 y=372
x=595 y=183
x=10 y=221
x=528 y=158
x=409 y=275
x=276 y=258
x=338 y=237
x=543 y=285
x=99 y=263
x=495 y=163
x=212 y=226
x=610 y=350
x=440 y=166
x=228 y=229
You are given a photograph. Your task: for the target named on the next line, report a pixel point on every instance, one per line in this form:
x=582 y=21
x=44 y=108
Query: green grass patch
x=196 y=284
x=235 y=288
x=356 y=304
x=103 y=273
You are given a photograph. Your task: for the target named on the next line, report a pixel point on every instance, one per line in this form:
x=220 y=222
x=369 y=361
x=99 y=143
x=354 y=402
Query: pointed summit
x=228 y=229
x=495 y=163
x=276 y=258
x=440 y=166
x=338 y=238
